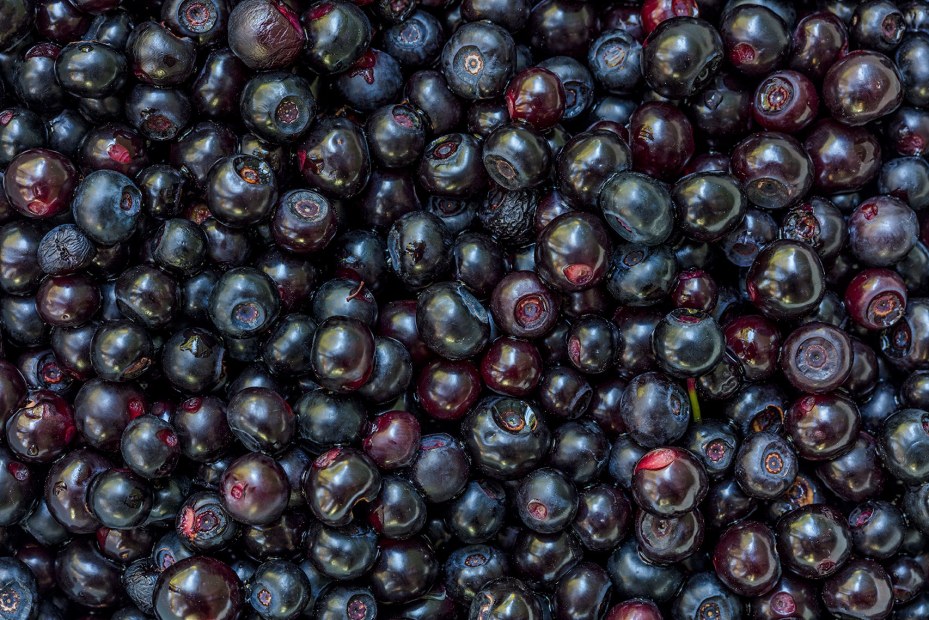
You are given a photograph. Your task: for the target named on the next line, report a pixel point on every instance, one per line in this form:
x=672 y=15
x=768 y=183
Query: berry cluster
x=464 y=309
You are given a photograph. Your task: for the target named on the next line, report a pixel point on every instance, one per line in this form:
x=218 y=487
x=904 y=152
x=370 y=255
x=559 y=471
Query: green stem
x=694 y=401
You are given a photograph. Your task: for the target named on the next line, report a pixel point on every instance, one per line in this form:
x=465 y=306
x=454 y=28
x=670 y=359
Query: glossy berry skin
x=20 y=267
x=687 y=343
x=755 y=341
x=404 y=570
x=478 y=513
x=714 y=442
x=342 y=354
x=592 y=343
x=278 y=588
x=506 y=437
x=107 y=206
x=536 y=96
x=680 y=56
x=822 y=427
x=506 y=598
x=786 y=280
x=325 y=419
x=773 y=169
x=634 y=609
x=150 y=447
x=114 y=146
x=203 y=21
x=261 y=419
x=396 y=135
x=791 y=595
x=440 y=468
x=86 y=576
x=876 y=298
x=478 y=60
x=816 y=358
x=546 y=501
x=818 y=41
x=149 y=47
x=374 y=80
x=765 y=465
x=861 y=87
x=41 y=427
x=615 y=61
x=654 y=409
x=603 y=517
x=201 y=428
x=511 y=367
x=119 y=499
x=902 y=442
x=67 y=301
x=814 y=541
x=904 y=178
x=878 y=25
x=844 y=157
x=243 y=303
x=877 y=529
x=881 y=231
x=749 y=236
x=572 y=253
x=819 y=223
x=338 y=33
x=636 y=206
x=242 y=190
x=446 y=390
x=576 y=80
x=756 y=39
x=636 y=578
x=278 y=107
x=906 y=129
x=722 y=109
x=399 y=510
x=179 y=246
x=452 y=166
x=746 y=559
x=704 y=593
x=337 y=481
x=708 y=205
x=661 y=138
x=862 y=588
x=429 y=91
x=20 y=486
x=74 y=471
x=587 y=161
x=516 y=157
x=669 y=482
x=654 y=12
x=334 y=157
x=523 y=306
x=39 y=183
x=415 y=41
x=89 y=69
x=785 y=101
x=121 y=351
x=304 y=221
x=254 y=489
x=198 y=585
x=564 y=393
x=451 y=322
x=669 y=539
x=418 y=245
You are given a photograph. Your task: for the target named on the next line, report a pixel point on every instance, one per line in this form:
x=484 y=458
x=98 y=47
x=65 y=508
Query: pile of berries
x=464 y=310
